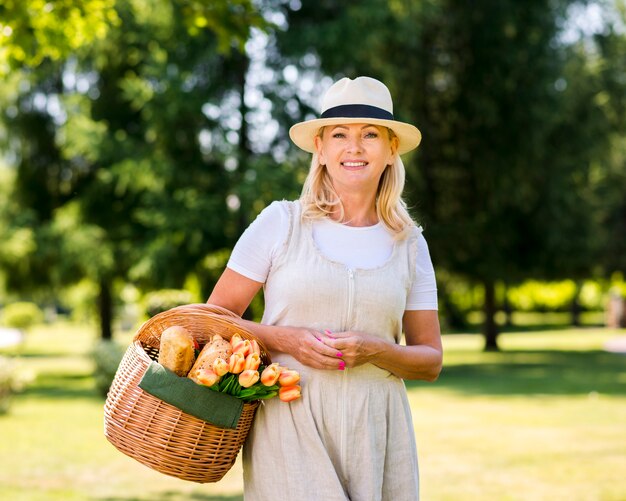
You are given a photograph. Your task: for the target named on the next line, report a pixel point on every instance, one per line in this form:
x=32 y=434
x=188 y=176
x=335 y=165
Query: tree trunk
x=105 y=305
x=506 y=306
x=575 y=307
x=490 y=329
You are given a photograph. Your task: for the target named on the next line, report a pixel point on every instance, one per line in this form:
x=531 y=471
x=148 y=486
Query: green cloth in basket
x=217 y=408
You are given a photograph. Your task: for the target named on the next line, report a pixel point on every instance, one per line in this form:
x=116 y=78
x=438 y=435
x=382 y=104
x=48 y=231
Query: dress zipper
x=350 y=298
x=344 y=378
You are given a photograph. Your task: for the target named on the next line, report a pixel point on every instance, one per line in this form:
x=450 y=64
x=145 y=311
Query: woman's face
x=356 y=155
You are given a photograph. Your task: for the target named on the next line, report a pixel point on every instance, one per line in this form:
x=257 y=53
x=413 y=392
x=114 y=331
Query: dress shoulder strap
x=293 y=209
x=411 y=246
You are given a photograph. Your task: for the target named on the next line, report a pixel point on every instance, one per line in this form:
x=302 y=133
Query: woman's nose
x=354 y=143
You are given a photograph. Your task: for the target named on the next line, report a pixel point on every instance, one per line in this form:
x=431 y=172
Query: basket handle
x=202 y=320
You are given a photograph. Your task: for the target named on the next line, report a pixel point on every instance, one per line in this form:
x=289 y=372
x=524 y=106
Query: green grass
x=542 y=420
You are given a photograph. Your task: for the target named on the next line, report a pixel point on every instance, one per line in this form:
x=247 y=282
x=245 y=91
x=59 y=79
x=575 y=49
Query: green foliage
x=13 y=379
x=535 y=296
x=230 y=20
x=516 y=124
x=107 y=356
x=210 y=269
x=21 y=315
x=163 y=300
x=592 y=296
x=120 y=169
x=34 y=30
x=618 y=284
x=80 y=299
x=19 y=238
x=129 y=125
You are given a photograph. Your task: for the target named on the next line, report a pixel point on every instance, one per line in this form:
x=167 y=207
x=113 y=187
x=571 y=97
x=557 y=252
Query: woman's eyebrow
x=347 y=128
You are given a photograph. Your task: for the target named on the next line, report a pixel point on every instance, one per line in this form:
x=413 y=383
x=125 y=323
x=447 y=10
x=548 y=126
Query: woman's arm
x=234 y=292
x=421 y=358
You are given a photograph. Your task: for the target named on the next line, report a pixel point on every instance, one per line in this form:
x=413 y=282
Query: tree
x=498 y=178
x=121 y=146
x=35 y=31
x=609 y=66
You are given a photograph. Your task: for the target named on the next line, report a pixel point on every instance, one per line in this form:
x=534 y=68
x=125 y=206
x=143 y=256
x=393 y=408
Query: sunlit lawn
x=543 y=420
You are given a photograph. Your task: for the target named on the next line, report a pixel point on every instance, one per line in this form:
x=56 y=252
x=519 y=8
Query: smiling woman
x=346 y=273
x=355 y=157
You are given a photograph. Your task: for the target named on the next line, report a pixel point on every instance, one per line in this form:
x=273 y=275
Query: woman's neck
x=358 y=210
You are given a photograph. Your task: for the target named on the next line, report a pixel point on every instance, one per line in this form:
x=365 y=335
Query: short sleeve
x=260 y=243
x=423 y=294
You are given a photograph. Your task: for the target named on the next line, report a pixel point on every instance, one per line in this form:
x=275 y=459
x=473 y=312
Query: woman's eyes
x=366 y=135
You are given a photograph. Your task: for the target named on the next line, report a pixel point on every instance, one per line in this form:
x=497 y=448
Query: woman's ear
x=319 y=149
x=394 y=143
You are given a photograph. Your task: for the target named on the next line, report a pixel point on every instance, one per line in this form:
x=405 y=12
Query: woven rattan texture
x=158 y=434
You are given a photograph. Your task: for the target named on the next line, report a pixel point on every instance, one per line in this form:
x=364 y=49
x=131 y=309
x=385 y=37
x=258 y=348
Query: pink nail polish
x=339 y=354
x=329 y=334
x=342 y=365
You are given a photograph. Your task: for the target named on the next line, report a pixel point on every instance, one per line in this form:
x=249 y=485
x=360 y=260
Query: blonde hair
x=319 y=198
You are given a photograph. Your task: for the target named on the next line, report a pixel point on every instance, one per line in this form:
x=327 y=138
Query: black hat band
x=357 y=111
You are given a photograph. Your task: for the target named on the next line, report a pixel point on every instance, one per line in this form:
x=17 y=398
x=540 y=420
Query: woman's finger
x=325 y=346
x=314 y=352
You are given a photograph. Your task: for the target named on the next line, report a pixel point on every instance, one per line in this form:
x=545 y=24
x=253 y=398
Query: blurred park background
x=138 y=139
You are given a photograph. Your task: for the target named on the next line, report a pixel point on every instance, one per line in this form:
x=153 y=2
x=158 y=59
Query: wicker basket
x=158 y=434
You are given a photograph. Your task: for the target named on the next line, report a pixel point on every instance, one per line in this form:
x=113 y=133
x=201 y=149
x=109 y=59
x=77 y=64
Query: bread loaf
x=176 y=351
x=217 y=348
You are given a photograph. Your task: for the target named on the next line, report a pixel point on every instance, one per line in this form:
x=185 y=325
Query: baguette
x=217 y=348
x=176 y=351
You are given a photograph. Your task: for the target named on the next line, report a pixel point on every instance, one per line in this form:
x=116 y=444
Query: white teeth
x=354 y=164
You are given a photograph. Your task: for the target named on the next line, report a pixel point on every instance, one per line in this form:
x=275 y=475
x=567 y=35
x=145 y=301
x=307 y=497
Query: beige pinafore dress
x=350 y=436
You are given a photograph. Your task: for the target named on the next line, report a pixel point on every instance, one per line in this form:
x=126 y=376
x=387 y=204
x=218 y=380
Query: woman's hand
x=309 y=347
x=420 y=358
x=356 y=348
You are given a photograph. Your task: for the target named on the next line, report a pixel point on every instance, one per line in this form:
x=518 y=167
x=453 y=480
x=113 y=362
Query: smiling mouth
x=354 y=165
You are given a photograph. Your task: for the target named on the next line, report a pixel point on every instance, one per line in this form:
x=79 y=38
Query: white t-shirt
x=356 y=247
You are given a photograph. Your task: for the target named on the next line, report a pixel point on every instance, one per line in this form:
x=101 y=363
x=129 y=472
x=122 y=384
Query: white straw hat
x=362 y=100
